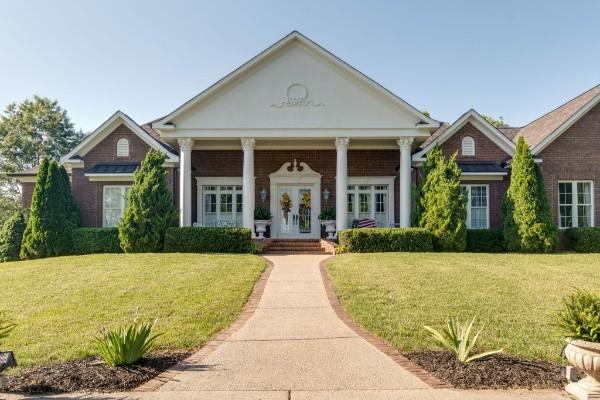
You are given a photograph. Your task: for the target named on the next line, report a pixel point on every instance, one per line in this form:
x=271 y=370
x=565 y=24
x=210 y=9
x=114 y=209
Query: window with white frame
x=114 y=203
x=575 y=204
x=222 y=205
x=478 y=210
x=468 y=146
x=368 y=201
x=122 y=147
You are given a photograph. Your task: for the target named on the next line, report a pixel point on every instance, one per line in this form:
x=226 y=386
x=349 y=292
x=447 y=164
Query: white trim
x=107 y=128
x=379 y=180
x=575 y=215
x=165 y=123
x=295 y=178
x=565 y=125
x=211 y=181
x=108 y=177
x=25 y=178
x=490 y=131
x=104 y=197
x=468 y=205
x=482 y=176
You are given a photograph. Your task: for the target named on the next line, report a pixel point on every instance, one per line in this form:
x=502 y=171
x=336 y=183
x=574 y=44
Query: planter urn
x=585 y=356
x=329 y=228
x=261 y=227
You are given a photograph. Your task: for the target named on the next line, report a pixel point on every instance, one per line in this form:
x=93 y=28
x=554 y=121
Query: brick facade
x=485 y=149
x=575 y=155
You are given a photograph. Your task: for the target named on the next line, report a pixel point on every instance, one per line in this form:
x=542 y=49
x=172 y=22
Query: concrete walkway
x=295 y=347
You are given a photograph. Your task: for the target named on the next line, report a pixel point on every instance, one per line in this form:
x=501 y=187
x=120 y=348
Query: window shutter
x=468 y=146
x=123 y=148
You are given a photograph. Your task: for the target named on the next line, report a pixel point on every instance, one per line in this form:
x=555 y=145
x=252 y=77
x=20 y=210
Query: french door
x=295 y=212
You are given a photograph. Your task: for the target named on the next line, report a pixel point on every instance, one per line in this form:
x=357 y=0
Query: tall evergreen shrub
x=11 y=237
x=443 y=204
x=150 y=210
x=53 y=216
x=528 y=223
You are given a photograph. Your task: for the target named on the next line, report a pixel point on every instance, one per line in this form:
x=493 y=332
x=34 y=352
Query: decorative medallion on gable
x=297 y=96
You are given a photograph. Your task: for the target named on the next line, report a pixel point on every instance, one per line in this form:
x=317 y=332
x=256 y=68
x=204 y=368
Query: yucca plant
x=125 y=345
x=457 y=338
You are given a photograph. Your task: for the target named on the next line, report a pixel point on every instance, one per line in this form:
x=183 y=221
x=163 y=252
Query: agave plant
x=457 y=338
x=125 y=345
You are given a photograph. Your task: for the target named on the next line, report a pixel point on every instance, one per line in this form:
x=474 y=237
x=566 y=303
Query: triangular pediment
x=295 y=84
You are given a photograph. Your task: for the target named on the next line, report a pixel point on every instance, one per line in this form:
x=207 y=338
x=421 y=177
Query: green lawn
x=60 y=304
x=395 y=294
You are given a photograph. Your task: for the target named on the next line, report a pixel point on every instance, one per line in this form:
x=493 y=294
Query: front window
x=575 y=204
x=222 y=205
x=368 y=201
x=477 y=206
x=114 y=204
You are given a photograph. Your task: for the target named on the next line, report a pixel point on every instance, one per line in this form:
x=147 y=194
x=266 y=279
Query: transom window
x=477 y=206
x=575 y=204
x=114 y=204
x=222 y=205
x=368 y=201
x=468 y=146
x=122 y=147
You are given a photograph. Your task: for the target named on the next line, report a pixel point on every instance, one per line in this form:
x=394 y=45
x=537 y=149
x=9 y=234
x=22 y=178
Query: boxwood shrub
x=95 y=240
x=208 y=240
x=584 y=240
x=370 y=240
x=485 y=241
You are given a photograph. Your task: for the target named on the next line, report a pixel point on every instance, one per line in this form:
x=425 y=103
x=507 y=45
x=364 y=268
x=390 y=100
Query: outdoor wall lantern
x=263 y=194
x=326 y=194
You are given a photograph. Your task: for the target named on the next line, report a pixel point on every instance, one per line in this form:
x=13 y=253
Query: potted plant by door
x=327 y=218
x=579 y=321
x=262 y=219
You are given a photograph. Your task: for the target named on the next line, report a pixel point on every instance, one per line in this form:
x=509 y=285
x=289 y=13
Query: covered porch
x=223 y=181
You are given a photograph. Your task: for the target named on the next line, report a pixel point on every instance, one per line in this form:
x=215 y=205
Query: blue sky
x=518 y=59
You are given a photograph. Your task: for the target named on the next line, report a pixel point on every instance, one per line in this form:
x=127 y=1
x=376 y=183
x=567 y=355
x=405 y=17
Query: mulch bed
x=498 y=371
x=91 y=374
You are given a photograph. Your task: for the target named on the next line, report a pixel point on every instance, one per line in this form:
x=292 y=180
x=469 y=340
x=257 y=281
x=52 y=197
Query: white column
x=248 y=184
x=185 y=181
x=341 y=183
x=405 y=145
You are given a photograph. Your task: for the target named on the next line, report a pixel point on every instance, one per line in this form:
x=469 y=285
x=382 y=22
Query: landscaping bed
x=91 y=374
x=498 y=371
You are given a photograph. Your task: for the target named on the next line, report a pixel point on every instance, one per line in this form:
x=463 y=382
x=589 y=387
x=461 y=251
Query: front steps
x=295 y=246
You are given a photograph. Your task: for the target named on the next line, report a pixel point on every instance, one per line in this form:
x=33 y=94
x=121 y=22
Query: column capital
x=405 y=143
x=248 y=144
x=341 y=143
x=185 y=144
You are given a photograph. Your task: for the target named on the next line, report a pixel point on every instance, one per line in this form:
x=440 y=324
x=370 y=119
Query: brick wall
x=229 y=163
x=575 y=155
x=485 y=149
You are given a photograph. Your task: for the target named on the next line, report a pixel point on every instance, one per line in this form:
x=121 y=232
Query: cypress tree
x=443 y=204
x=150 y=210
x=528 y=223
x=11 y=237
x=34 y=237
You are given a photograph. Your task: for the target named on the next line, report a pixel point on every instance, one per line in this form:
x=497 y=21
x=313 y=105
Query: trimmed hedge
x=371 y=240
x=208 y=240
x=584 y=240
x=95 y=240
x=485 y=241
x=11 y=237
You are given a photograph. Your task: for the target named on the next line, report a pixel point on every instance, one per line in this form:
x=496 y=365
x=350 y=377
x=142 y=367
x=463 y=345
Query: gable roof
x=295 y=36
x=473 y=117
x=544 y=130
x=107 y=127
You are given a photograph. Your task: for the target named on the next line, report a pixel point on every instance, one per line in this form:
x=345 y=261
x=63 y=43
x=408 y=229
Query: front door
x=295 y=212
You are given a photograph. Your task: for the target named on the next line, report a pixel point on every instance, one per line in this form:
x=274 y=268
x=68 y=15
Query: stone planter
x=261 y=227
x=329 y=228
x=585 y=356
